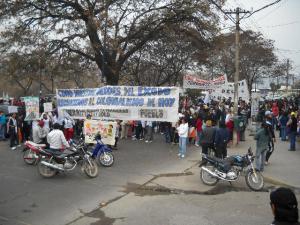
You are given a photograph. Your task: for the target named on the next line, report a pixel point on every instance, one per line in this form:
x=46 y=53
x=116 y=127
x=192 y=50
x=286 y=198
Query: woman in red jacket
x=199 y=130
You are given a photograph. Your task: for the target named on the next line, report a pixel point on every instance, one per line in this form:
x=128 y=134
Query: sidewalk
x=284 y=165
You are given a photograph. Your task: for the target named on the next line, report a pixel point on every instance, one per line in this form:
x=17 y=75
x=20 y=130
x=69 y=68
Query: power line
x=266 y=6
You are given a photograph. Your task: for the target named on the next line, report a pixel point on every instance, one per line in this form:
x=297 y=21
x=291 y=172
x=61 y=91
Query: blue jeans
x=260 y=160
x=182 y=145
x=198 y=137
x=293 y=140
x=2 y=130
x=283 y=133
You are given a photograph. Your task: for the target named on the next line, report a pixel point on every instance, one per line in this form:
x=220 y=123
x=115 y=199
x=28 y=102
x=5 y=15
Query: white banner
x=48 y=107
x=121 y=102
x=107 y=131
x=32 y=108
x=193 y=82
x=227 y=91
x=12 y=109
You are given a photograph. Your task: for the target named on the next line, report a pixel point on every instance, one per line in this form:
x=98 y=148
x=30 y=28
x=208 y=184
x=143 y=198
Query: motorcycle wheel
x=45 y=171
x=106 y=159
x=207 y=178
x=29 y=156
x=90 y=168
x=254 y=182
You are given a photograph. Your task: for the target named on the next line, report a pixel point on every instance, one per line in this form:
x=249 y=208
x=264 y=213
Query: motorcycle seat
x=36 y=145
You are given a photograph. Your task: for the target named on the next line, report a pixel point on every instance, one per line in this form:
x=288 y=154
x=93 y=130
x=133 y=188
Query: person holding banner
x=183 y=131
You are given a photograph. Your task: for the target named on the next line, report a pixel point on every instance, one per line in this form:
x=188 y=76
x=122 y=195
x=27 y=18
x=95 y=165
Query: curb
x=279 y=182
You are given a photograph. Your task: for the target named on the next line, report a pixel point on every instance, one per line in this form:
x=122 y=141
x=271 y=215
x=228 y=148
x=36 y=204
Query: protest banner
x=107 y=131
x=227 y=91
x=193 y=82
x=121 y=102
x=48 y=107
x=32 y=108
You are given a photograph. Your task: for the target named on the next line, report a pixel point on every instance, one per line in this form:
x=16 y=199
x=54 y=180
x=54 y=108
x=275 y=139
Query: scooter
x=102 y=153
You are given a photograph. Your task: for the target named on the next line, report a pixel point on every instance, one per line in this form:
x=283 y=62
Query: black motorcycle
x=229 y=169
x=51 y=163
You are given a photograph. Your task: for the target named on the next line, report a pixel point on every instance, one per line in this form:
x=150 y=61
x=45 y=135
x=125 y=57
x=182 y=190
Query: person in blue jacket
x=221 y=140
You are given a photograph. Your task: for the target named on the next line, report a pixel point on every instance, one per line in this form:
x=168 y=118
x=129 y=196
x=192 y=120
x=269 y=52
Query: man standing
x=12 y=128
x=208 y=137
x=270 y=128
x=2 y=126
x=292 y=124
x=149 y=132
x=221 y=140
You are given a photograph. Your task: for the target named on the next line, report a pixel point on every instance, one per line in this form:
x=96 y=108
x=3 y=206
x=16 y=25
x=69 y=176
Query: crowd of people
x=207 y=125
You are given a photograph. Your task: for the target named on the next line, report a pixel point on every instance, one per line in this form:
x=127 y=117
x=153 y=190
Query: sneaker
x=182 y=156
x=196 y=145
x=150 y=141
x=146 y=141
x=179 y=154
x=13 y=148
x=141 y=139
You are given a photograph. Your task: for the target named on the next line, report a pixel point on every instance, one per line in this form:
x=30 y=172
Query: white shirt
x=183 y=130
x=57 y=140
x=68 y=123
x=38 y=133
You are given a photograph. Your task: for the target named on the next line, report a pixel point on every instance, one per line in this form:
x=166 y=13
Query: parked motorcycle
x=31 y=152
x=229 y=169
x=102 y=153
x=51 y=163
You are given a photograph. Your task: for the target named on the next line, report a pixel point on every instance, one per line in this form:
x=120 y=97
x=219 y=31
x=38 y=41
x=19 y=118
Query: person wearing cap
x=284 y=207
x=39 y=133
x=270 y=127
x=292 y=124
x=207 y=137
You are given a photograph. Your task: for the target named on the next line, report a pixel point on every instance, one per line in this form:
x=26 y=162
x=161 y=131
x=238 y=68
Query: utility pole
x=237 y=13
x=287 y=75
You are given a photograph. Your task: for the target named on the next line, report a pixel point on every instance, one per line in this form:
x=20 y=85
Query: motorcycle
x=31 y=152
x=51 y=163
x=102 y=153
x=229 y=169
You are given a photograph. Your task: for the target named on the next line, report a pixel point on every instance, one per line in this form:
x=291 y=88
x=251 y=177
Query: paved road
x=27 y=198
x=147 y=185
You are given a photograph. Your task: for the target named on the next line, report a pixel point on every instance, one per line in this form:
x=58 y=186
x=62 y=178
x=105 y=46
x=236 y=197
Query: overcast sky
x=280 y=22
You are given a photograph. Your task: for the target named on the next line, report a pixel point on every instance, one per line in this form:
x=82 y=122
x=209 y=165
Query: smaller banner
x=32 y=108
x=48 y=107
x=12 y=109
x=193 y=82
x=107 y=131
x=227 y=91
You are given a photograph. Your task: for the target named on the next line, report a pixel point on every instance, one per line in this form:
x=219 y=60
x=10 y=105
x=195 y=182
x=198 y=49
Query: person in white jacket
x=183 y=135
